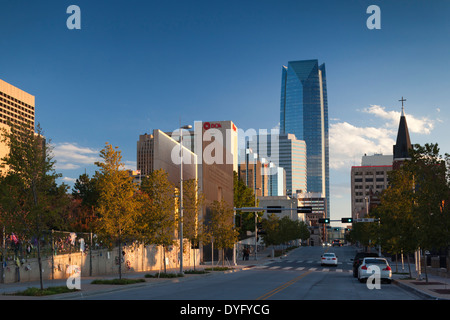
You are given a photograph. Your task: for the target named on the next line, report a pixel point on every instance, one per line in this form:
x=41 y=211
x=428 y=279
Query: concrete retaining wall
x=137 y=258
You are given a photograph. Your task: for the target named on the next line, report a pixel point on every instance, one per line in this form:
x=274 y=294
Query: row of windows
x=12 y=100
x=14 y=113
x=378 y=186
x=371 y=180
x=369 y=173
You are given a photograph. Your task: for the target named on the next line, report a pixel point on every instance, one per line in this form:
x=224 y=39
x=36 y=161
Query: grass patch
x=195 y=272
x=218 y=269
x=118 y=281
x=37 y=292
x=164 y=275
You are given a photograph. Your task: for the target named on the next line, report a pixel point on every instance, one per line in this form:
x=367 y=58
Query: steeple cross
x=403 y=109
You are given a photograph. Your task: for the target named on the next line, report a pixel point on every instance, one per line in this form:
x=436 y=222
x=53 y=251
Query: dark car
x=337 y=243
x=359 y=259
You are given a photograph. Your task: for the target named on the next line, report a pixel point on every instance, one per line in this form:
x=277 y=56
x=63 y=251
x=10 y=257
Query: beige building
x=367 y=183
x=159 y=151
x=16 y=107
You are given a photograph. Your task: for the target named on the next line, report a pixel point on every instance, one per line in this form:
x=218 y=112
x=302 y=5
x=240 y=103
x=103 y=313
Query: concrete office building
x=16 y=107
x=159 y=151
x=368 y=181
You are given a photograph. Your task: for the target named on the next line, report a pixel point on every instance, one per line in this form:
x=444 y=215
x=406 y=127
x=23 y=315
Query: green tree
x=157 y=221
x=244 y=197
x=30 y=198
x=271 y=227
x=221 y=227
x=117 y=206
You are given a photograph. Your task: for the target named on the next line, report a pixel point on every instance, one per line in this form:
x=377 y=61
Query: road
x=297 y=277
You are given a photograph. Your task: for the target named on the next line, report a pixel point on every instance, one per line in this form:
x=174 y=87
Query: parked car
x=329 y=259
x=364 y=270
x=358 y=260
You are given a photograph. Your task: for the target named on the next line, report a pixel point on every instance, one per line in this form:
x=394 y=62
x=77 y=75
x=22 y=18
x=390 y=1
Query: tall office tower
x=16 y=107
x=304 y=113
x=286 y=152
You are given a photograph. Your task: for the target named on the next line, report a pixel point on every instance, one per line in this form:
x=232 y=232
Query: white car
x=329 y=259
x=371 y=265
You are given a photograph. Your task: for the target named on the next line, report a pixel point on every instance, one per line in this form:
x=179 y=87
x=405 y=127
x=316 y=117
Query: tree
x=271 y=227
x=243 y=197
x=85 y=194
x=157 y=221
x=221 y=227
x=193 y=200
x=117 y=206
x=30 y=199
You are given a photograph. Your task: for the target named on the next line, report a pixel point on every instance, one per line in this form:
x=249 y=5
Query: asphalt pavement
x=436 y=288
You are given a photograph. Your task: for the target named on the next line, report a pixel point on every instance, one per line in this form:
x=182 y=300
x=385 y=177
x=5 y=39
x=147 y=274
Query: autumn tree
x=223 y=233
x=85 y=195
x=30 y=199
x=193 y=223
x=117 y=206
x=157 y=221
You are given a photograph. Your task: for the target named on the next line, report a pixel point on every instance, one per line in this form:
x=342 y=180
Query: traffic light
x=326 y=220
x=346 y=220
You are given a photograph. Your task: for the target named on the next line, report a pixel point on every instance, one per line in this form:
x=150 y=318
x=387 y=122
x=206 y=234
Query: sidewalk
x=436 y=288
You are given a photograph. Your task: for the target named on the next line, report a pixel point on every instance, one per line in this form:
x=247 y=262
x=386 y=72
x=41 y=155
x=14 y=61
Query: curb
x=416 y=291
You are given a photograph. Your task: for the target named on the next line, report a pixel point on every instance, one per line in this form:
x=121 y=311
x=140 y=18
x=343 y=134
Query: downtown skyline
x=139 y=67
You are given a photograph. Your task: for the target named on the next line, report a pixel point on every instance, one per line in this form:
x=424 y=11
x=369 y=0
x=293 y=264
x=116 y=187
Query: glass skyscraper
x=304 y=113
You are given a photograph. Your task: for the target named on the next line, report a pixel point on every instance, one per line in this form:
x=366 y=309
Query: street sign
x=304 y=209
x=365 y=220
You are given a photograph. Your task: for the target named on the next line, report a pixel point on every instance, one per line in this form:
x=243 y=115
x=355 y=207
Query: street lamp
x=187 y=127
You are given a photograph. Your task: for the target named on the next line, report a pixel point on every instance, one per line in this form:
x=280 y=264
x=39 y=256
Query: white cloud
x=422 y=125
x=348 y=143
x=67 y=179
x=70 y=156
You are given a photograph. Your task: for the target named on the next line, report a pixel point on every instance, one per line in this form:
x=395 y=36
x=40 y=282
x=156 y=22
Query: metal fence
x=52 y=243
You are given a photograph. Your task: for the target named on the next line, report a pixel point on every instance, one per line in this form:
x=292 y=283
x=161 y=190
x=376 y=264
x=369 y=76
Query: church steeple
x=403 y=143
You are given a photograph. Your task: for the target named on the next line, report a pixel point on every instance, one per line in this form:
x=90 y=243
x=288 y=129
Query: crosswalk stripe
x=312 y=269
x=276 y=267
x=325 y=269
x=339 y=270
x=287 y=268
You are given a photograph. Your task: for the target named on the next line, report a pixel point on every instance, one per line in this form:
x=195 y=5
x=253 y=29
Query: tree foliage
x=117 y=207
x=30 y=199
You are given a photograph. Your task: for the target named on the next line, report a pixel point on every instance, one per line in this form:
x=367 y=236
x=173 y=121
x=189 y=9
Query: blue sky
x=140 y=65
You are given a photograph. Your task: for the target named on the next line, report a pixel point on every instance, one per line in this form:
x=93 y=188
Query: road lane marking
x=282 y=287
x=287 y=268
